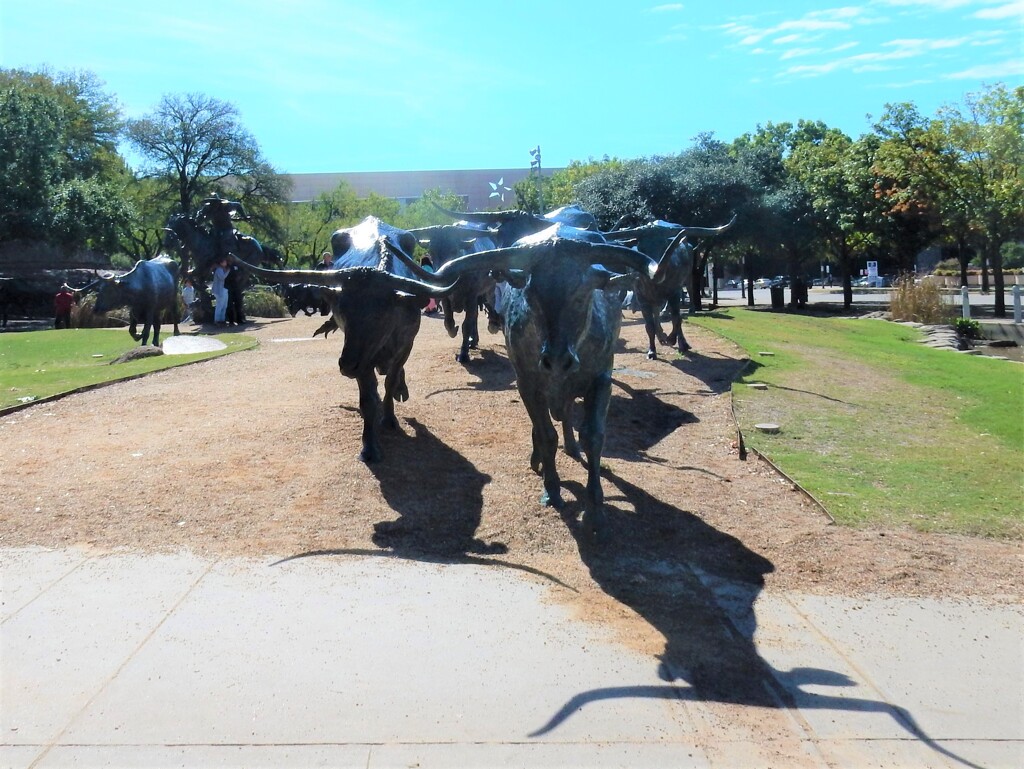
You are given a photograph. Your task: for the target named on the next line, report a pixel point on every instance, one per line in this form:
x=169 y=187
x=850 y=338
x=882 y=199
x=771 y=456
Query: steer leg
x=572 y=448
x=369 y=408
x=676 y=337
x=449 y=318
x=469 y=326
x=133 y=326
x=150 y=325
x=545 y=444
x=592 y=433
x=395 y=388
x=653 y=328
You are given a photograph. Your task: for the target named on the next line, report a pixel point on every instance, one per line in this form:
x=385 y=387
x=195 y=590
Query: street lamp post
x=535 y=164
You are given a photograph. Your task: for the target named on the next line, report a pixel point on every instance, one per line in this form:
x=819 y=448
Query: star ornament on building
x=498 y=189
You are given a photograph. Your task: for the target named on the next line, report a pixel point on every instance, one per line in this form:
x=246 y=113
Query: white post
x=1016 y=304
x=966 y=302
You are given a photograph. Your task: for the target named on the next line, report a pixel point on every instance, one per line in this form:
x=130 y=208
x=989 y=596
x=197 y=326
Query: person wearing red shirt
x=62 y=304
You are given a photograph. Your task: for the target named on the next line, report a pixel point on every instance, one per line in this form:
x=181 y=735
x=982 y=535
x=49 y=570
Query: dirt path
x=255 y=454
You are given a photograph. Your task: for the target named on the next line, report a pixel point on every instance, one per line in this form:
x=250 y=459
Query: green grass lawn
x=880 y=429
x=38 y=364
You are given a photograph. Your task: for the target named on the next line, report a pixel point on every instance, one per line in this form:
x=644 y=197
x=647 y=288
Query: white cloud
x=1009 y=68
x=794 y=53
x=1005 y=11
x=935 y=5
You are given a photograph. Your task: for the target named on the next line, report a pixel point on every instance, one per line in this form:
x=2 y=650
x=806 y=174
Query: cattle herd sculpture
x=554 y=284
x=561 y=283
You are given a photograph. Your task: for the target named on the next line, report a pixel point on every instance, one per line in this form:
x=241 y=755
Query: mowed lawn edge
x=880 y=429
x=41 y=365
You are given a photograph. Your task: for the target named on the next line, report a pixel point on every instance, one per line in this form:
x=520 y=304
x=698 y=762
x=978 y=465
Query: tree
x=61 y=179
x=836 y=172
x=986 y=134
x=924 y=179
x=192 y=145
x=424 y=213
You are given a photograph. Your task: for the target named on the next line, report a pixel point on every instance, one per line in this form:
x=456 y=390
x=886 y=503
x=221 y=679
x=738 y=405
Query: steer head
x=113 y=292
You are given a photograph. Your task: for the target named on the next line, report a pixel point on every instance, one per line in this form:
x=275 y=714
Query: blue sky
x=333 y=85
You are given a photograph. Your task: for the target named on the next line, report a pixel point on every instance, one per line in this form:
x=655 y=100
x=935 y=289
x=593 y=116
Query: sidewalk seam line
x=131 y=655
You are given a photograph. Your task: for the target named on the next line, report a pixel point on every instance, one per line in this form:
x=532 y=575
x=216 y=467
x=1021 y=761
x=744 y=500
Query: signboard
x=872 y=269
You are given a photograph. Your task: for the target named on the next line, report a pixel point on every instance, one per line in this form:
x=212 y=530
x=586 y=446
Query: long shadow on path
x=697 y=586
x=438 y=494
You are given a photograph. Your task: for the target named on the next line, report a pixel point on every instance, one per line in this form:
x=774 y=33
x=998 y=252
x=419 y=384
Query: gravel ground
x=255 y=454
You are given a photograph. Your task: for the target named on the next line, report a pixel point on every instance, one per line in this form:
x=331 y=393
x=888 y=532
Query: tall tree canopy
x=61 y=179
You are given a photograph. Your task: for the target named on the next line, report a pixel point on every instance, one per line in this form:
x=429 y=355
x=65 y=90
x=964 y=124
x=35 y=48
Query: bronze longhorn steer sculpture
x=376 y=298
x=651 y=239
x=561 y=324
x=149 y=289
x=444 y=243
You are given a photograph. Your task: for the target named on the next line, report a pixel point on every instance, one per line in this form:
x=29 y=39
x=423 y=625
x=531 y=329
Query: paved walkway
x=358 y=661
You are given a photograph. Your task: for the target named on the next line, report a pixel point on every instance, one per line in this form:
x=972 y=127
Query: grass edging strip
x=743 y=450
x=14 y=408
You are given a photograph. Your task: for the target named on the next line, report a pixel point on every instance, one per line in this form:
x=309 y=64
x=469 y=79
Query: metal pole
x=1016 y=304
x=966 y=302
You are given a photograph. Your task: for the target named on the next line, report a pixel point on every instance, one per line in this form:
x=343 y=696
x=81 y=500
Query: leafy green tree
x=424 y=213
x=987 y=135
x=560 y=188
x=192 y=145
x=91 y=213
x=61 y=179
x=775 y=219
x=836 y=172
x=30 y=161
x=925 y=179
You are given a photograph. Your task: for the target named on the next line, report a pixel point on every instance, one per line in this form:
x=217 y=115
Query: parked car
x=763 y=283
x=732 y=284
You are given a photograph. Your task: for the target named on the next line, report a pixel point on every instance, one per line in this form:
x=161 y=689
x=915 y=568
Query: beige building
x=480 y=190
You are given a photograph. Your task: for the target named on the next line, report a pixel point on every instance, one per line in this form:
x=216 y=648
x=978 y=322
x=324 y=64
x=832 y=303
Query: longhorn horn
x=424 y=275
x=490 y=218
x=523 y=257
x=664 y=263
x=338 y=279
x=709 y=231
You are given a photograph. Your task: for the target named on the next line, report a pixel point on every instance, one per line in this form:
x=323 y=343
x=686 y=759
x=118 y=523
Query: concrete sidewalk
x=348 y=660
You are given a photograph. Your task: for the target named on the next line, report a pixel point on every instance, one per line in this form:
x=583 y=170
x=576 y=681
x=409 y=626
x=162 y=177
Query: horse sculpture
x=198 y=247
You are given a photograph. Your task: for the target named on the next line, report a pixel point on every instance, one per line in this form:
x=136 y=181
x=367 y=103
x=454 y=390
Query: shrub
x=968 y=328
x=82 y=315
x=921 y=302
x=264 y=303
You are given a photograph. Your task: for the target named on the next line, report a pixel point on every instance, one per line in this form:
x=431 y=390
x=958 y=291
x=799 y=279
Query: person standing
x=62 y=304
x=234 y=283
x=220 y=292
x=188 y=296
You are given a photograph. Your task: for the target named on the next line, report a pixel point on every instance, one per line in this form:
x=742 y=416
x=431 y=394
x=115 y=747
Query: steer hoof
x=452 y=330
x=596 y=527
x=651 y=354
x=369 y=455
x=552 y=500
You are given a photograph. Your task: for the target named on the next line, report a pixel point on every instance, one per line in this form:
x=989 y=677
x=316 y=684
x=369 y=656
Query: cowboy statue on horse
x=207 y=237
